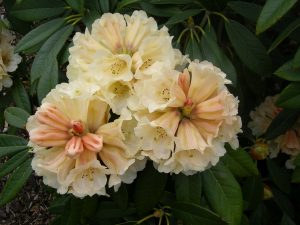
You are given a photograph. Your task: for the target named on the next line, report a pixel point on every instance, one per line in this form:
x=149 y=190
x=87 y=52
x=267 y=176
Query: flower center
x=77 y=128
x=187 y=108
x=160 y=133
x=117 y=67
x=148 y=62
x=165 y=94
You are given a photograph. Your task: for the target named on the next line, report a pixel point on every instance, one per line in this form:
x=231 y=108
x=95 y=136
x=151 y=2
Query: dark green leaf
x=296 y=161
x=245 y=220
x=73 y=214
x=285 y=33
x=16 y=117
x=77 y=5
x=249 y=49
x=108 y=210
x=104 y=4
x=10 y=144
x=193 y=49
x=169 y=2
x=149 y=187
x=15 y=182
x=49 y=50
x=213 y=53
x=125 y=3
x=272 y=11
x=58 y=205
x=193 y=214
x=296 y=175
x=160 y=11
x=248 y=10
x=20 y=96
x=286 y=220
x=296 y=60
x=121 y=197
x=253 y=192
x=290 y=97
x=223 y=193
x=182 y=16
x=90 y=17
x=288 y=72
x=279 y=175
x=38 y=35
x=240 y=163
x=89 y=208
x=283 y=202
x=188 y=188
x=12 y=163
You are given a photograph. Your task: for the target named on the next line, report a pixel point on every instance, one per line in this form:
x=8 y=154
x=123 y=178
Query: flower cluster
x=128 y=101
x=262 y=117
x=8 y=59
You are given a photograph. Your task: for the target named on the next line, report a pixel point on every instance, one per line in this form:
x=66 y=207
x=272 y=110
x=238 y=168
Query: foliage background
x=254 y=42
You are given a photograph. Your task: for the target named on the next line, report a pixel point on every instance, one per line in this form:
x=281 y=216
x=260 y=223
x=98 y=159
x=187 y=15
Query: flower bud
x=259 y=150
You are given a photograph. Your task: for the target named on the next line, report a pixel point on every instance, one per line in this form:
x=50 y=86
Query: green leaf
x=188 y=188
x=125 y=3
x=149 y=187
x=16 y=117
x=272 y=11
x=73 y=214
x=285 y=33
x=213 y=53
x=281 y=123
x=12 y=163
x=170 y=2
x=121 y=197
x=193 y=214
x=49 y=51
x=239 y=163
x=77 y=5
x=20 y=96
x=223 y=193
x=296 y=161
x=279 y=175
x=182 y=16
x=48 y=81
x=296 y=60
x=10 y=144
x=290 y=97
x=248 y=48
x=252 y=189
x=248 y=10
x=160 y=11
x=31 y=10
x=89 y=208
x=15 y=182
x=286 y=220
x=58 y=205
x=296 y=175
x=193 y=49
x=283 y=202
x=109 y=210
x=288 y=72
x=104 y=4
x=38 y=35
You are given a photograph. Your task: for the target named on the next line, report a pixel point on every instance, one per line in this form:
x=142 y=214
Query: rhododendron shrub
x=152 y=112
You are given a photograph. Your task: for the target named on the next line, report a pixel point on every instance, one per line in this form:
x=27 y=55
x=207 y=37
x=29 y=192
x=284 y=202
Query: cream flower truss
x=262 y=117
x=192 y=115
x=119 y=49
x=8 y=59
x=76 y=149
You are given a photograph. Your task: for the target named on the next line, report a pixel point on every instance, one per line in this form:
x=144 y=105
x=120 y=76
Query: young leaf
x=188 y=188
x=240 y=163
x=39 y=34
x=149 y=187
x=12 y=163
x=288 y=72
x=248 y=10
x=272 y=11
x=290 y=97
x=223 y=193
x=15 y=182
x=193 y=214
x=10 y=144
x=213 y=53
x=249 y=49
x=20 y=96
x=16 y=117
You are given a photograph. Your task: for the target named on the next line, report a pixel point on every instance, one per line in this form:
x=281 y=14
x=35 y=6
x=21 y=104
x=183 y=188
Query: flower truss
x=127 y=102
x=262 y=117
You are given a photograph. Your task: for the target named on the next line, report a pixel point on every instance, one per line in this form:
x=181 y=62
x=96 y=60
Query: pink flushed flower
x=188 y=133
x=262 y=117
x=75 y=147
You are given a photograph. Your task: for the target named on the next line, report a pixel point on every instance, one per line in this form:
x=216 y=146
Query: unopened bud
x=259 y=150
x=267 y=192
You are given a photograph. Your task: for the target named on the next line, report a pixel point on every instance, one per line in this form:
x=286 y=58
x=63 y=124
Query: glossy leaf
x=272 y=11
x=193 y=49
x=213 y=53
x=290 y=97
x=149 y=187
x=12 y=163
x=76 y=4
x=159 y=10
x=39 y=34
x=285 y=33
x=249 y=49
x=288 y=72
x=10 y=144
x=182 y=16
x=188 y=188
x=193 y=214
x=240 y=163
x=20 y=96
x=15 y=182
x=248 y=10
x=223 y=193
x=16 y=117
